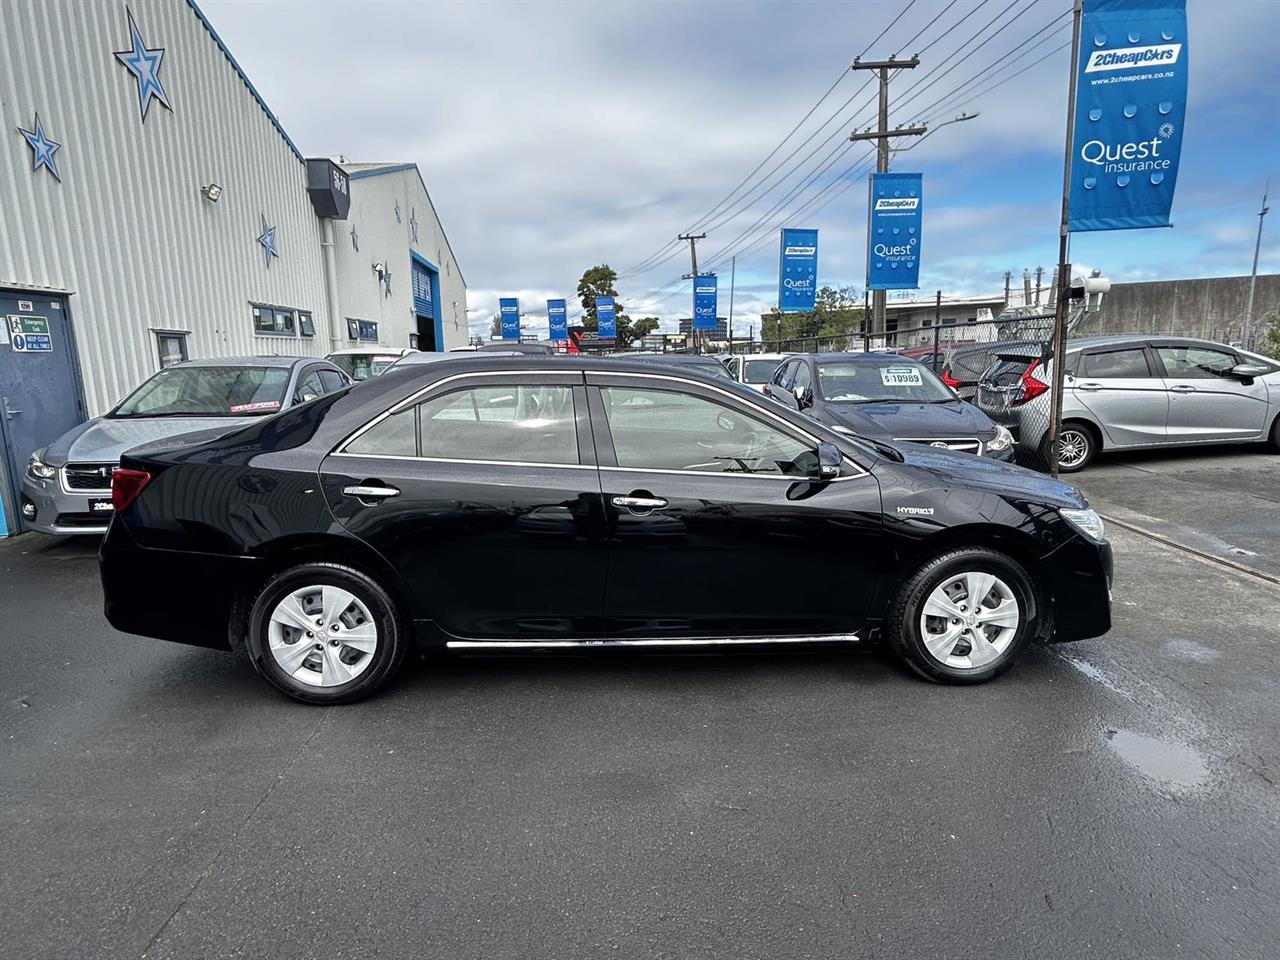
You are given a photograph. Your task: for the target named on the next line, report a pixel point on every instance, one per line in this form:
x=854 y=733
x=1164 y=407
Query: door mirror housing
x=829 y=460
x=1247 y=371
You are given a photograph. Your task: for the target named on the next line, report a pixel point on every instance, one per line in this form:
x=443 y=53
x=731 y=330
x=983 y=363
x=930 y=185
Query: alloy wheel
x=969 y=620
x=322 y=635
x=1073 y=447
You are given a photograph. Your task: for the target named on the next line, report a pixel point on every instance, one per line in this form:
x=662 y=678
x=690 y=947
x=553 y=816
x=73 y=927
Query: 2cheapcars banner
x=557 y=320
x=1131 y=96
x=607 y=317
x=895 y=209
x=509 y=309
x=704 y=302
x=797 y=270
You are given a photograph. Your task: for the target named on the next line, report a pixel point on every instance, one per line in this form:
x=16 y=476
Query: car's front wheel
x=325 y=633
x=963 y=616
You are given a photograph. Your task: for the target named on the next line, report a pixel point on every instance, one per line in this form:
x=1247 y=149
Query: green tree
x=601 y=281
x=495 y=328
x=1269 y=342
x=837 y=312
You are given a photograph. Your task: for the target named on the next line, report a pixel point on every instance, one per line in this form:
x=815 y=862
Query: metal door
x=40 y=397
x=1205 y=401
x=1120 y=388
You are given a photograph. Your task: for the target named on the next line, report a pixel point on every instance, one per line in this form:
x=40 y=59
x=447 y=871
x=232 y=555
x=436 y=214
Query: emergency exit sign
x=30 y=334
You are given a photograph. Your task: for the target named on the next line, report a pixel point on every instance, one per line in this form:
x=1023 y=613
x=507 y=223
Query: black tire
x=1080 y=434
x=903 y=625
x=391 y=642
x=1275 y=435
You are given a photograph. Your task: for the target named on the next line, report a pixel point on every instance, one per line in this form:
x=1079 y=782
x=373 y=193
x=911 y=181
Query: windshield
x=759 y=371
x=362 y=366
x=208 y=392
x=844 y=381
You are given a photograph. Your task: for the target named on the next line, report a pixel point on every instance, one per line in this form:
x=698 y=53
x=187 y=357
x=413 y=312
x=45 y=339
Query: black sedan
x=887 y=396
x=514 y=504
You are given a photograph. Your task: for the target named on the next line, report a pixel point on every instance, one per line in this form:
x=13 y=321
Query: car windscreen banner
x=607 y=317
x=1131 y=96
x=704 y=302
x=557 y=320
x=895 y=209
x=797 y=270
x=509 y=308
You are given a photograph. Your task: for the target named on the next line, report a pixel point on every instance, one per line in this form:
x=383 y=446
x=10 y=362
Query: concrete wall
x=1212 y=307
x=126 y=232
x=376 y=194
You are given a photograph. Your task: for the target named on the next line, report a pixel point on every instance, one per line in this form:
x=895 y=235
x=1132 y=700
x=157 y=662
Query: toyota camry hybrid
x=522 y=503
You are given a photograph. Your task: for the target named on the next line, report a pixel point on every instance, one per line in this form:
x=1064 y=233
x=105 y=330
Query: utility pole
x=1247 y=333
x=1039 y=283
x=883 y=135
x=733 y=279
x=693 y=254
x=1008 y=276
x=1062 y=289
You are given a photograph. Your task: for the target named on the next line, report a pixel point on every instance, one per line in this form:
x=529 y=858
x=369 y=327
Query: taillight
x=1031 y=387
x=126 y=485
x=949 y=380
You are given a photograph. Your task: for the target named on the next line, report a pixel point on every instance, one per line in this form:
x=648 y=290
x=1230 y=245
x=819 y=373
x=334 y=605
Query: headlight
x=1087 y=522
x=1002 y=441
x=38 y=468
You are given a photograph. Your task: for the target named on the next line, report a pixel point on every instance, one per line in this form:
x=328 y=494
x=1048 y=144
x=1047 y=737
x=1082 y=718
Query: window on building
x=353 y=329
x=369 y=330
x=306 y=324
x=172 y=346
x=274 y=321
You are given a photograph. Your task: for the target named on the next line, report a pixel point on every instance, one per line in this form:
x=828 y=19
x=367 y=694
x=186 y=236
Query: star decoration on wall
x=42 y=149
x=413 y=224
x=268 y=241
x=397 y=211
x=144 y=63
x=355 y=238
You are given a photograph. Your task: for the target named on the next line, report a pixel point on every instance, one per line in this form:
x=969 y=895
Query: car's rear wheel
x=964 y=616
x=1076 y=447
x=325 y=633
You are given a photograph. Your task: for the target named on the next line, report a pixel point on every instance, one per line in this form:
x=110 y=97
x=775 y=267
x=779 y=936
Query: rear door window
x=527 y=423
x=1116 y=364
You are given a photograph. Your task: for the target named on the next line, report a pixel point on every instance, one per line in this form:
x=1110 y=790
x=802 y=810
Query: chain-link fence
x=1002 y=366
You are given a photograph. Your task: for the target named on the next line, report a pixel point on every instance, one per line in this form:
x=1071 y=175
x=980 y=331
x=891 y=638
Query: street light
x=933 y=130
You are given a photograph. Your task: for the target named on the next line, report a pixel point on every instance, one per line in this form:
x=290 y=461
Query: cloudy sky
x=555 y=136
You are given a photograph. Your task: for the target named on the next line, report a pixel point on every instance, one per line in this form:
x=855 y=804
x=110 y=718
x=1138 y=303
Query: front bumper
x=1080 y=574
x=48 y=508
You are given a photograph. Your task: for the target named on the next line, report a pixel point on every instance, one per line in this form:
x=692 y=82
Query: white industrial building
x=153 y=208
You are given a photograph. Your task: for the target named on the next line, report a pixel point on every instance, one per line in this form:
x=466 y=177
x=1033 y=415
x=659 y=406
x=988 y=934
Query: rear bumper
x=169 y=594
x=1080 y=574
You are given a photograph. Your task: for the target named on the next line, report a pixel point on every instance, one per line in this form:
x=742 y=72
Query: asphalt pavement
x=1112 y=798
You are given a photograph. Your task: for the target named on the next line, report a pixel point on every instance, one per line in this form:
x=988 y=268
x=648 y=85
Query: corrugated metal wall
x=127 y=231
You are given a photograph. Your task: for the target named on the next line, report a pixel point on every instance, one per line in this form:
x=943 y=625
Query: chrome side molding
x=648 y=642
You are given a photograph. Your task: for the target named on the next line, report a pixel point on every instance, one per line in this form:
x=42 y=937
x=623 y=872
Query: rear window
x=362 y=366
x=759 y=371
x=1006 y=372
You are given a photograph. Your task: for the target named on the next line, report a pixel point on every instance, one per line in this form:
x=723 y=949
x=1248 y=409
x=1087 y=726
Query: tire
x=364 y=641
x=1275 y=435
x=921 y=639
x=1074 y=436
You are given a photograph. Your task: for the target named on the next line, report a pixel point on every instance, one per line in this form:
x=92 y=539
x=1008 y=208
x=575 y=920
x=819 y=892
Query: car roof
x=876 y=356
x=253 y=361
x=766 y=356
x=363 y=351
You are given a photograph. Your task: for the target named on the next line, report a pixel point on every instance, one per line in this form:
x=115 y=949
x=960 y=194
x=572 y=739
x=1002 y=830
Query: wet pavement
x=1113 y=798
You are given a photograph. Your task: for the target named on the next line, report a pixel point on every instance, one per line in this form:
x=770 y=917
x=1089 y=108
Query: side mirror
x=1247 y=371
x=829 y=460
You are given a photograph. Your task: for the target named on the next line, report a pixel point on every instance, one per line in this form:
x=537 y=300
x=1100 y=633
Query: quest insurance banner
x=1131 y=97
x=607 y=318
x=509 y=309
x=557 y=320
x=895 y=210
x=704 y=302
x=798 y=270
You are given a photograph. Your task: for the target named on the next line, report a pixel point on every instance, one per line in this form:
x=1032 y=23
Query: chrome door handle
x=1182 y=388
x=9 y=412
x=1088 y=386
x=362 y=492
x=640 y=503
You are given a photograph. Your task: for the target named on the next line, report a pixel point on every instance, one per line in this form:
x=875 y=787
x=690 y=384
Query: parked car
x=361 y=363
x=746 y=523
x=754 y=369
x=1127 y=392
x=963 y=367
x=67 y=486
x=706 y=365
x=889 y=397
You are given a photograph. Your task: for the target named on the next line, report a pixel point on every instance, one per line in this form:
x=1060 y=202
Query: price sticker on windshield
x=900 y=376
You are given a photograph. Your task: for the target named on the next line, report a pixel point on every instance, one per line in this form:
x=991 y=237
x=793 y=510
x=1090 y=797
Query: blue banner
x=1131 y=96
x=895 y=211
x=797 y=270
x=607 y=317
x=509 y=308
x=704 y=302
x=557 y=320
